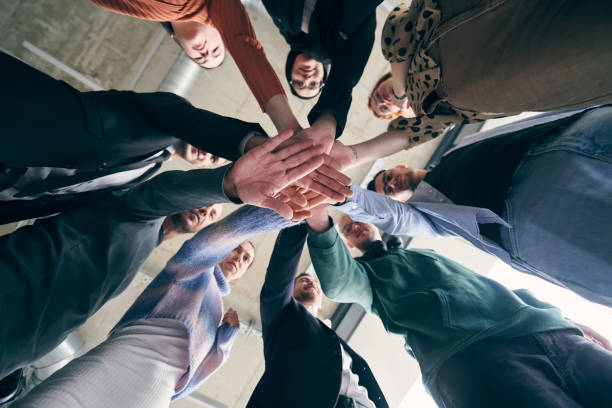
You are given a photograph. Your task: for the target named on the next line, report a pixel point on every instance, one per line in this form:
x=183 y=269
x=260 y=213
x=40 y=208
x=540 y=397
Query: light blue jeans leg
x=560 y=206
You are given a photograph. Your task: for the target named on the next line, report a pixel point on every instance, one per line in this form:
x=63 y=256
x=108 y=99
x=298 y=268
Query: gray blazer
x=59 y=271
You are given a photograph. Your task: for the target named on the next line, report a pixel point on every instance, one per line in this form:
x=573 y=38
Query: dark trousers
x=551 y=369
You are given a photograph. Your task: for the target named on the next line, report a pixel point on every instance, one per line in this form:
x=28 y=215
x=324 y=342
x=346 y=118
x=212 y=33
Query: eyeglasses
x=312 y=85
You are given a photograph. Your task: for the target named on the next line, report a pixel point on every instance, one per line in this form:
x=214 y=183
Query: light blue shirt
x=429 y=213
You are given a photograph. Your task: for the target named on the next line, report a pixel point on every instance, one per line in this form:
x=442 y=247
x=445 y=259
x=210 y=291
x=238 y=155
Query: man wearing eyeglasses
x=330 y=44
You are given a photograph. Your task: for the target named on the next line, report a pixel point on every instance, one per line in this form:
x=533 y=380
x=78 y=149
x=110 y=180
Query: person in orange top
x=205 y=29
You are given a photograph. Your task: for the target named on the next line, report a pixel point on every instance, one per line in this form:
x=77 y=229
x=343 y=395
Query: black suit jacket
x=303 y=357
x=47 y=123
x=340 y=32
x=59 y=271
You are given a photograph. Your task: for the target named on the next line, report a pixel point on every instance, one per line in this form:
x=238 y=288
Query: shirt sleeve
x=217 y=356
x=342 y=278
x=393 y=217
x=346 y=70
x=172 y=192
x=277 y=289
x=223 y=236
x=232 y=21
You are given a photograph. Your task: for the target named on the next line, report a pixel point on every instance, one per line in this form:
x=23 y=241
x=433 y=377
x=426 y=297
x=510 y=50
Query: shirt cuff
x=236 y=200
x=323 y=240
x=245 y=140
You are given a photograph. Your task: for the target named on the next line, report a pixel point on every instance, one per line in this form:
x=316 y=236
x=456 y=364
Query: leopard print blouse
x=410 y=29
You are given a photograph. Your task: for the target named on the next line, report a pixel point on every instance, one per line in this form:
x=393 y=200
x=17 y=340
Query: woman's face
x=306 y=76
x=201 y=42
x=381 y=101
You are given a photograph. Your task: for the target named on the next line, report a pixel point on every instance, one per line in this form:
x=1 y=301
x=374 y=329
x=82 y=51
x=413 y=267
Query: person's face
x=397 y=183
x=200 y=158
x=381 y=101
x=307 y=291
x=306 y=76
x=194 y=220
x=201 y=42
x=359 y=234
x=238 y=261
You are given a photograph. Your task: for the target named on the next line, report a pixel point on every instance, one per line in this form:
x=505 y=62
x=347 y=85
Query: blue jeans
x=560 y=207
x=556 y=369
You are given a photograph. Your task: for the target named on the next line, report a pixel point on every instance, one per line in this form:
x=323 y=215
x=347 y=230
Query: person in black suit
x=59 y=271
x=307 y=364
x=62 y=147
x=330 y=44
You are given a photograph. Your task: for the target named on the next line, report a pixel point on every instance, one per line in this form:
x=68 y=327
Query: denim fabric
x=556 y=369
x=560 y=208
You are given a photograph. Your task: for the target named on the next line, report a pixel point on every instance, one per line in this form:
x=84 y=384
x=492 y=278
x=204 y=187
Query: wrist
x=229 y=186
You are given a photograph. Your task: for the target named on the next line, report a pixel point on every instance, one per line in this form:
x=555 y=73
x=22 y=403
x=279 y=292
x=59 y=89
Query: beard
x=308 y=298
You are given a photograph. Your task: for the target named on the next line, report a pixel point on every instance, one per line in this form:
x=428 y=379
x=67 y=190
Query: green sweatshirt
x=438 y=305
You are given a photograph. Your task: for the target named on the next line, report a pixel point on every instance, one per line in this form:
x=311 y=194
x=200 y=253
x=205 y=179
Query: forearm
x=382 y=145
x=342 y=278
x=278 y=285
x=399 y=70
x=176 y=191
x=279 y=111
x=212 y=244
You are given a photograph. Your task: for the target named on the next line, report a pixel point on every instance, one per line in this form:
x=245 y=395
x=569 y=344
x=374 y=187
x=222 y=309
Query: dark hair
x=289 y=67
x=254 y=251
x=299 y=275
x=168 y=27
x=372 y=183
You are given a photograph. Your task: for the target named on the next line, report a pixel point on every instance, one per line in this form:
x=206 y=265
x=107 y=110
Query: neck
x=314 y=310
x=169 y=229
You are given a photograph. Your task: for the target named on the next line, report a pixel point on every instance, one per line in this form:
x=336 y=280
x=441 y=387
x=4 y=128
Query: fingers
x=303 y=169
x=286 y=152
x=300 y=156
x=278 y=206
x=300 y=215
x=334 y=174
x=292 y=195
x=274 y=142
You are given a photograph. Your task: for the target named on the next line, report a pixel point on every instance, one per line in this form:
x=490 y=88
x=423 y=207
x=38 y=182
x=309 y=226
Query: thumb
x=277 y=205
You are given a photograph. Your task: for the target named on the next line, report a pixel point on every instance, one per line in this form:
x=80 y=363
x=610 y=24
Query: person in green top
x=478 y=343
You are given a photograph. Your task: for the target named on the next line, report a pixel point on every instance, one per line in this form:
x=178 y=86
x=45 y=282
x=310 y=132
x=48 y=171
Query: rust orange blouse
x=227 y=16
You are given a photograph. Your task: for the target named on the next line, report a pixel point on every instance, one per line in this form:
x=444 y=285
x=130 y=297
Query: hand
x=341 y=156
x=302 y=211
x=231 y=318
x=258 y=176
x=319 y=135
x=319 y=221
x=592 y=336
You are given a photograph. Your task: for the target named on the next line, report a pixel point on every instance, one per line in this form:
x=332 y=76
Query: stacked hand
x=259 y=177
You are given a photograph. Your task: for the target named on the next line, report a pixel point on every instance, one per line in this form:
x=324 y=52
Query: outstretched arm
x=342 y=278
x=393 y=217
x=212 y=244
x=240 y=39
x=277 y=289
